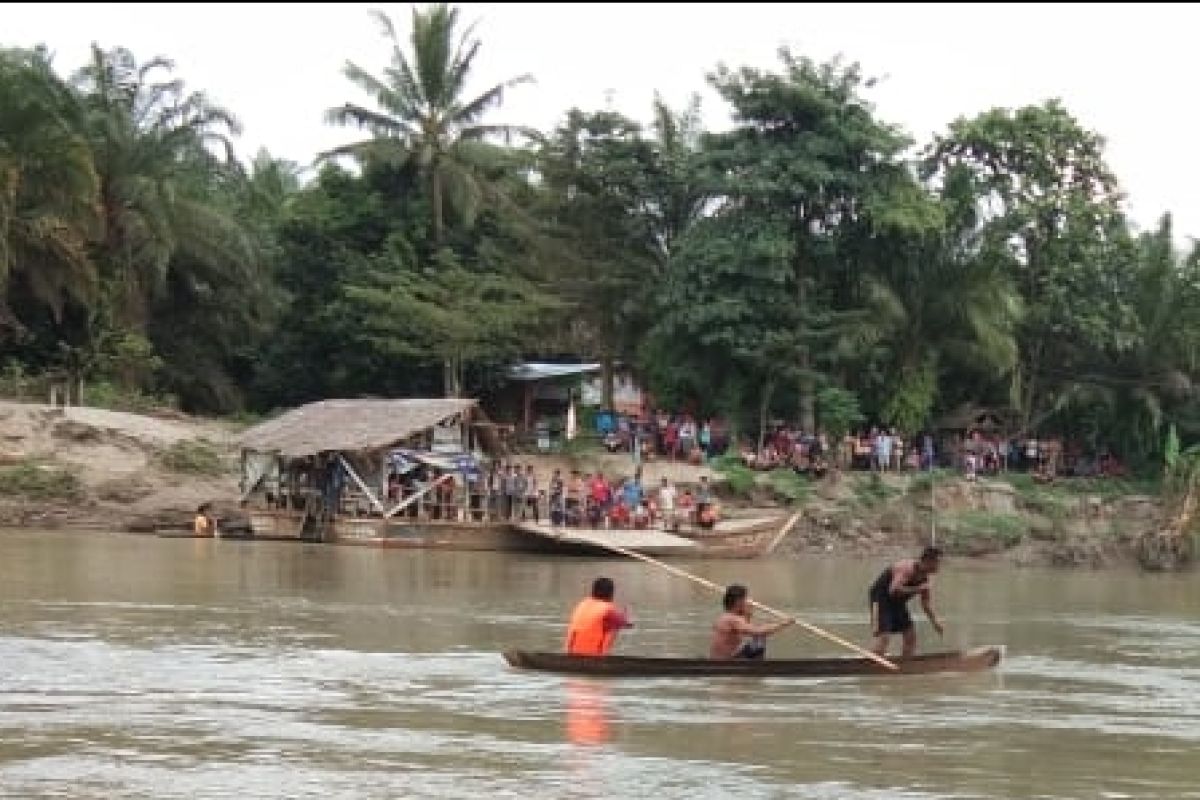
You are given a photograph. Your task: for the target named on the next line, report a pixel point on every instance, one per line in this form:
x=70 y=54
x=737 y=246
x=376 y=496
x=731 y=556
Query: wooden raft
x=648 y=542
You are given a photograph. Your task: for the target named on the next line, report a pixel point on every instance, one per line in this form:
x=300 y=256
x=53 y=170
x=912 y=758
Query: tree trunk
x=607 y=392
x=450 y=377
x=764 y=408
x=435 y=201
x=1029 y=389
x=808 y=416
x=808 y=401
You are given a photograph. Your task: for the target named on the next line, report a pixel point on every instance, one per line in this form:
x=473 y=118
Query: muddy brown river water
x=135 y=667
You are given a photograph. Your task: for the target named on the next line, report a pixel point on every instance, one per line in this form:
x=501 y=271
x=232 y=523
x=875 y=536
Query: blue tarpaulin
x=403 y=461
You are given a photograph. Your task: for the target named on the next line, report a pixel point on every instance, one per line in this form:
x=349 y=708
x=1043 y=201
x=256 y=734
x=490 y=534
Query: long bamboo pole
x=406 y=502
x=813 y=629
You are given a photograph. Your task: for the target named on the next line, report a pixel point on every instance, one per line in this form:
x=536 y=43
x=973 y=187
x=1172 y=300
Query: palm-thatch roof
x=349 y=425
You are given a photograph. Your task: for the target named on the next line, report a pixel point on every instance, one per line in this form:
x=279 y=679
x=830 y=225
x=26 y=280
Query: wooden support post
x=528 y=411
x=406 y=502
x=361 y=484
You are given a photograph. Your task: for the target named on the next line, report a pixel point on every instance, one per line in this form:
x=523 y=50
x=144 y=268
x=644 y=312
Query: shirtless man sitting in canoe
x=733 y=634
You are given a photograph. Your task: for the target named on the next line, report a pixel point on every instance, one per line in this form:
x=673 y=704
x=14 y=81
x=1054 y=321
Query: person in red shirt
x=596 y=621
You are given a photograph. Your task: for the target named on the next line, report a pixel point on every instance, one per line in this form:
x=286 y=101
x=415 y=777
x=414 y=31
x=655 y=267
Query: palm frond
x=385 y=96
x=378 y=124
x=472 y=110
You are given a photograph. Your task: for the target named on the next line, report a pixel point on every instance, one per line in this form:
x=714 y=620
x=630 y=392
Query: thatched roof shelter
x=350 y=425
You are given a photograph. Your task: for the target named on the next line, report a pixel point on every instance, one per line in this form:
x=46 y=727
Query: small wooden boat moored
x=974 y=660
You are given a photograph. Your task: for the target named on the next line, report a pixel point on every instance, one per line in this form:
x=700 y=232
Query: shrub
x=192 y=457
x=37 y=481
x=103 y=394
x=16 y=383
x=738 y=477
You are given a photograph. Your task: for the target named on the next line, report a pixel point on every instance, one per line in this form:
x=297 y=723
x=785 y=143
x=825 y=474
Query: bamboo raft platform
x=735 y=538
x=650 y=542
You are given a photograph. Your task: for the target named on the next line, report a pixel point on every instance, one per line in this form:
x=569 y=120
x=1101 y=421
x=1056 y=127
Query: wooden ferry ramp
x=591 y=541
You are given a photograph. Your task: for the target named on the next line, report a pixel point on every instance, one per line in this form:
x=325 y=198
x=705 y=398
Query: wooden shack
x=321 y=472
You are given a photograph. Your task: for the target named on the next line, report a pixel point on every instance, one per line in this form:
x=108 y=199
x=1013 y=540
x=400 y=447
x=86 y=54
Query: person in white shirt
x=666 y=504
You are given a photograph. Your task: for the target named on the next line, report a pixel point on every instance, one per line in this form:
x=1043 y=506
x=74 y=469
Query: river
x=138 y=667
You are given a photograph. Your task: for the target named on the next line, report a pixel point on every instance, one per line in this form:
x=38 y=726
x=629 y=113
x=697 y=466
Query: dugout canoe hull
x=975 y=660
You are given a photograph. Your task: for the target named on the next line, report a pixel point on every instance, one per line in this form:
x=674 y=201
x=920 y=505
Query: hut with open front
x=367 y=470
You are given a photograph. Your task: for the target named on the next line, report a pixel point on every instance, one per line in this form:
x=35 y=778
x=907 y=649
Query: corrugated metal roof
x=536 y=371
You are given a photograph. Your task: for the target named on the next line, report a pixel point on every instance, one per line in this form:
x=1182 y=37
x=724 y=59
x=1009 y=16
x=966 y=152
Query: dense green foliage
x=799 y=265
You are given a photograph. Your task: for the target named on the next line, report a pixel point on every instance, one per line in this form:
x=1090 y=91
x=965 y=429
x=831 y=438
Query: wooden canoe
x=974 y=660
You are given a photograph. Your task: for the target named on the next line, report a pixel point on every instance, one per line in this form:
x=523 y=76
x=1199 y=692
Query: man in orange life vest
x=595 y=622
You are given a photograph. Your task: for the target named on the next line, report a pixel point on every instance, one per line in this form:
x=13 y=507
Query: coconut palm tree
x=48 y=186
x=423 y=117
x=422 y=114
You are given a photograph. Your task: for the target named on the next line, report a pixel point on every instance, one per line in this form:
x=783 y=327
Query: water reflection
x=589 y=716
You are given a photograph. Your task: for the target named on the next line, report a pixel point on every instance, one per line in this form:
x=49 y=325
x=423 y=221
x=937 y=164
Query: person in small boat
x=204 y=524
x=596 y=621
x=889 y=596
x=734 y=636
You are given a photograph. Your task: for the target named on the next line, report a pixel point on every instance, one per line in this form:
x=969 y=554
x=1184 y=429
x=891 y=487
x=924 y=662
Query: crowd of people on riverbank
x=676 y=437
x=513 y=492
x=884 y=450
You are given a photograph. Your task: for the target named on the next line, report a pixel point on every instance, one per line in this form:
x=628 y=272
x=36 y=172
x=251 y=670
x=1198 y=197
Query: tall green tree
x=719 y=315
x=593 y=170
x=153 y=145
x=674 y=190
x=941 y=306
x=1052 y=202
x=1145 y=378
x=424 y=116
x=806 y=149
x=49 y=189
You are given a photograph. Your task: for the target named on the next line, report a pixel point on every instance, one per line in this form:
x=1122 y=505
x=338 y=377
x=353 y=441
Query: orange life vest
x=586 y=635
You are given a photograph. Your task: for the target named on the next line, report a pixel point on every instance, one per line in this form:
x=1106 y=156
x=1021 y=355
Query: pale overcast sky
x=1125 y=70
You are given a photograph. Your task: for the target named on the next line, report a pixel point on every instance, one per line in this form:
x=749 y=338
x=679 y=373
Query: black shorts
x=753 y=649
x=893 y=616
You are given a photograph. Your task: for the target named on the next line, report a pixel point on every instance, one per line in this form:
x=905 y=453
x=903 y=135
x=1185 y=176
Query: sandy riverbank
x=91 y=468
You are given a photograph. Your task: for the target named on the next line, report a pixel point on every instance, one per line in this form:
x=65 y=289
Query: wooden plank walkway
x=638 y=540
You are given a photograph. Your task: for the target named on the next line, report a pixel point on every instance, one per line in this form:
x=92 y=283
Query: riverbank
x=87 y=468
x=93 y=468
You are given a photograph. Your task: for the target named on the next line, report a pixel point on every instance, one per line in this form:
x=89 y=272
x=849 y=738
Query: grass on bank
x=1106 y=488
x=38 y=480
x=871 y=490
x=193 y=457
x=973 y=532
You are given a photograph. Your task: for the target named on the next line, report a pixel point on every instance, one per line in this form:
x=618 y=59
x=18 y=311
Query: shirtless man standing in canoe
x=733 y=634
x=889 y=596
